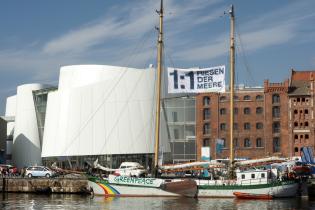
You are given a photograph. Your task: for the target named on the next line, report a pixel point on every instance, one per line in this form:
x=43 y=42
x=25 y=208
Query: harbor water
x=71 y=201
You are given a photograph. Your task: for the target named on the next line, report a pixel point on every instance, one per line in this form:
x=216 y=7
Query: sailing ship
x=120 y=185
x=256 y=183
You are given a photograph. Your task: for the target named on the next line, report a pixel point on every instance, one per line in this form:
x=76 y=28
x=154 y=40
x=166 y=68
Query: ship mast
x=158 y=95
x=232 y=70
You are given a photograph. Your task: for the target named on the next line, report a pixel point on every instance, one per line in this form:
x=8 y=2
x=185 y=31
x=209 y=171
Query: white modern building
x=26 y=148
x=97 y=111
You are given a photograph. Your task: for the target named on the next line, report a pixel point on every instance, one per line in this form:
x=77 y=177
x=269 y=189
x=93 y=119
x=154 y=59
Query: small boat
x=241 y=195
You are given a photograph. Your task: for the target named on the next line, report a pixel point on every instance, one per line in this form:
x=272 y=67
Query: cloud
x=140 y=20
x=265 y=31
x=83 y=38
x=126 y=36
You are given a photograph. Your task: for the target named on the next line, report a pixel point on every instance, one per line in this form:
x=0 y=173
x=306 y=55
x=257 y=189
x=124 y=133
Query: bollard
x=3 y=185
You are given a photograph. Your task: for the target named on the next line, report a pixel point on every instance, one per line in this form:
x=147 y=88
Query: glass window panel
x=206 y=142
x=171 y=116
x=275 y=98
x=259 y=110
x=247 y=97
x=276 y=144
x=206 y=114
x=206 y=128
x=276 y=111
x=176 y=132
x=174 y=102
x=190 y=130
x=190 y=102
x=190 y=114
x=206 y=101
x=179 y=147
x=276 y=127
x=190 y=147
x=259 y=98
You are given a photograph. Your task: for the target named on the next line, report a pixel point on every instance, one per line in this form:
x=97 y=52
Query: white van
x=131 y=169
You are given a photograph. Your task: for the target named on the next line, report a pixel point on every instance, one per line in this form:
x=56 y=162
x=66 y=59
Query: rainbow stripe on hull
x=103 y=189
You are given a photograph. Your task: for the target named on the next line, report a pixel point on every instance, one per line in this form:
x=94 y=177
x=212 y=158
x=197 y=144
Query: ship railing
x=253 y=181
x=232 y=182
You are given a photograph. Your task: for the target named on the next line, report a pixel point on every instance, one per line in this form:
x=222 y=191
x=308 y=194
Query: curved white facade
x=10 y=110
x=100 y=110
x=26 y=144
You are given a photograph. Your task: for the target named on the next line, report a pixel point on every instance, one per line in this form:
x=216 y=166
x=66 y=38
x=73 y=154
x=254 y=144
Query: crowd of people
x=8 y=170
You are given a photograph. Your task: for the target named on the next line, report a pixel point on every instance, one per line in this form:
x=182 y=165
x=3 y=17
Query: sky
x=38 y=37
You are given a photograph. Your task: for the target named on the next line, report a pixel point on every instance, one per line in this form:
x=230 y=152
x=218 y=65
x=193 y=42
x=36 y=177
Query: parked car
x=38 y=171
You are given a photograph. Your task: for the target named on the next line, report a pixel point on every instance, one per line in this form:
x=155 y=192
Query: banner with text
x=196 y=80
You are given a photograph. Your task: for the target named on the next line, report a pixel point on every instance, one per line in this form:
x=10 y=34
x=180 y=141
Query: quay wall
x=44 y=185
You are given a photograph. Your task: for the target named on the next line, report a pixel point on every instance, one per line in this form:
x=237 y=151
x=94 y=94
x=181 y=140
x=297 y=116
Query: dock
x=44 y=185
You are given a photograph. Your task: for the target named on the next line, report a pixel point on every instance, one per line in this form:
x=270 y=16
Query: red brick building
x=276 y=119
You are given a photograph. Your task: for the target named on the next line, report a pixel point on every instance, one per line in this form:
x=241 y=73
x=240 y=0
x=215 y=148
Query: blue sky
x=38 y=37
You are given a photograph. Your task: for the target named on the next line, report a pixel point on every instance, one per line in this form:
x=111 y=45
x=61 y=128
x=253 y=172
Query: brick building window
x=236 y=98
x=235 y=142
x=306 y=136
x=246 y=110
x=305 y=111
x=276 y=127
x=222 y=98
x=206 y=128
x=259 y=98
x=206 y=101
x=235 y=110
x=259 y=110
x=276 y=144
x=224 y=142
x=306 y=124
x=247 y=126
x=223 y=111
x=222 y=126
x=296 y=124
x=247 y=142
x=276 y=111
x=206 y=114
x=259 y=125
x=206 y=142
x=235 y=126
x=296 y=149
x=259 y=142
x=247 y=97
x=275 y=98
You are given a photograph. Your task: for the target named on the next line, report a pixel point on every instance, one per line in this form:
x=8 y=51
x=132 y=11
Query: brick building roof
x=300 y=82
x=302 y=75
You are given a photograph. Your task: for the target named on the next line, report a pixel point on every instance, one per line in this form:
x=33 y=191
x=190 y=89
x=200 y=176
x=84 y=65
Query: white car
x=131 y=169
x=38 y=171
